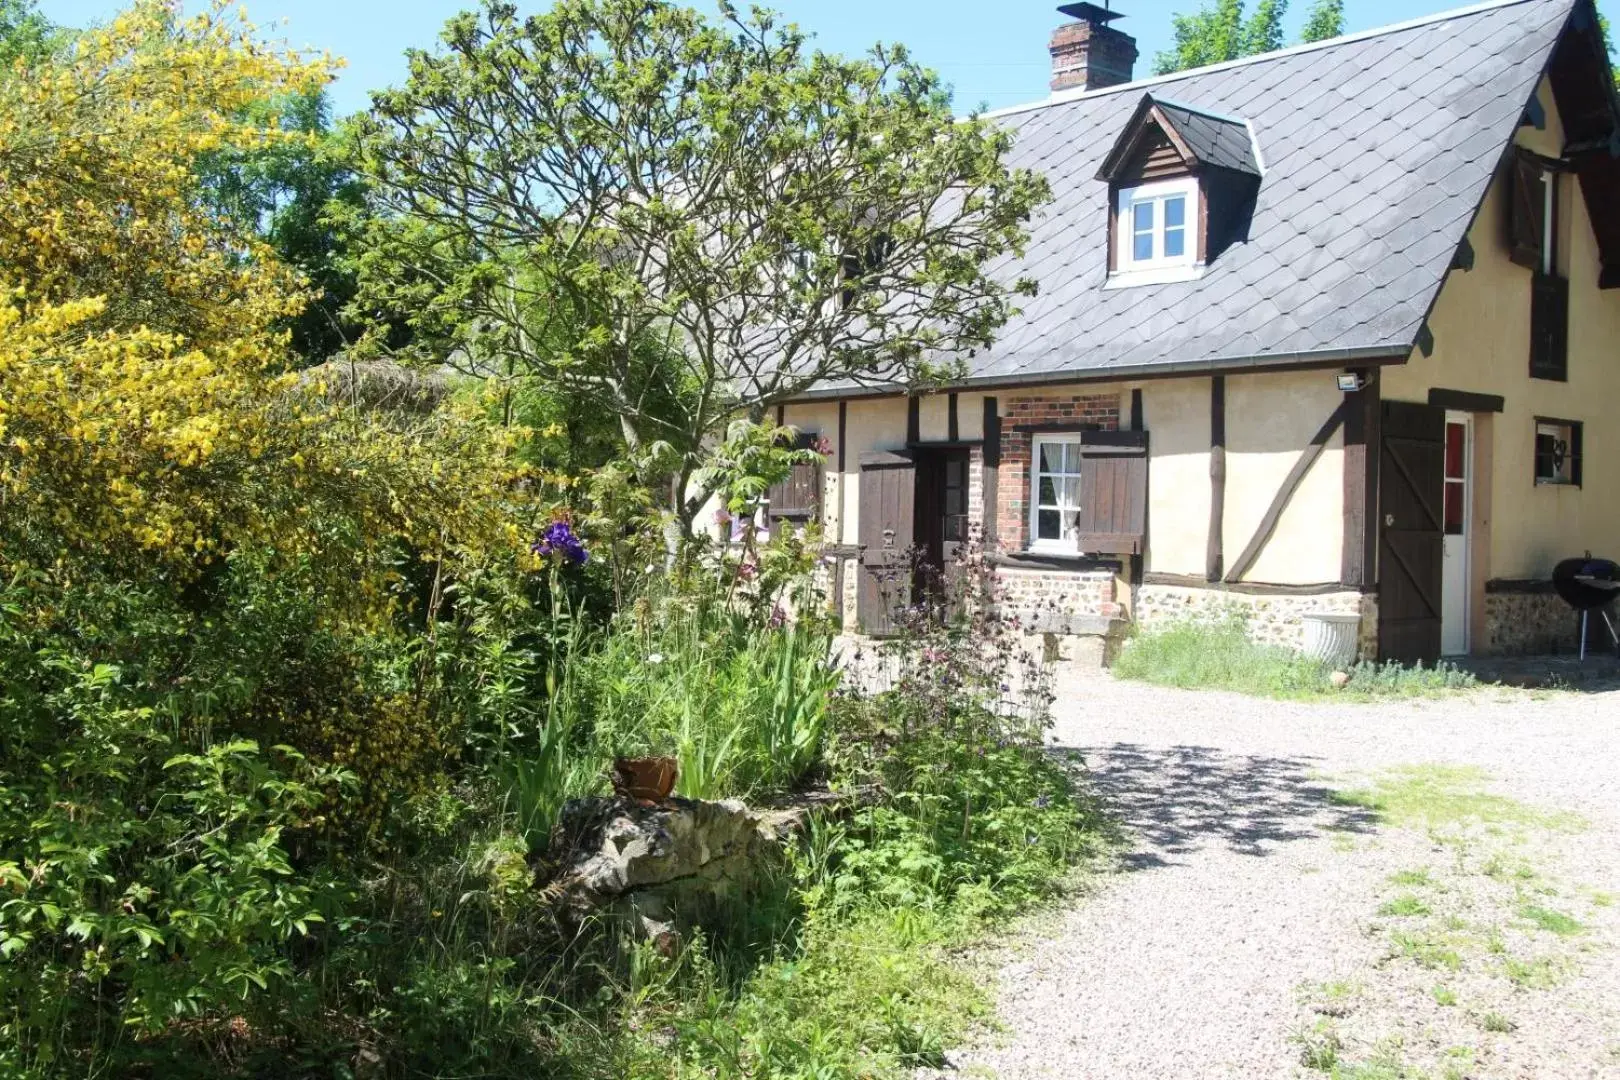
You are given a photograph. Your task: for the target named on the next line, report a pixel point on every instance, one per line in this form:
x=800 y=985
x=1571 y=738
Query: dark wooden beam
x=913 y=419
x=953 y=431
x=1241 y=588
x=781 y=415
x=1290 y=484
x=843 y=432
x=843 y=478
x=1214 y=556
x=1466 y=400
x=1138 y=423
x=990 y=482
x=1360 y=486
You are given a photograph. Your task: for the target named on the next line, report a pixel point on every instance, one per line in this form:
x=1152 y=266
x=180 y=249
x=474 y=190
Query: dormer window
x=1182 y=182
x=1156 y=225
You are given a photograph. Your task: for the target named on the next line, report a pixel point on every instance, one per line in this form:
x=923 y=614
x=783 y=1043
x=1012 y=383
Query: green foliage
x=679 y=220
x=1264 y=32
x=1218 y=654
x=1440 y=795
x=1326 y=20
x=25 y=34
x=128 y=864
x=285 y=193
x=1208 y=36
x=1213 y=35
x=741 y=703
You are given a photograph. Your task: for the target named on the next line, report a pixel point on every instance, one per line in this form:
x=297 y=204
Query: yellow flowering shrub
x=145 y=407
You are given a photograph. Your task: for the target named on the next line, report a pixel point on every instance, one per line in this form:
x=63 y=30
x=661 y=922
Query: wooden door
x=1411 y=547
x=941 y=522
x=887 y=537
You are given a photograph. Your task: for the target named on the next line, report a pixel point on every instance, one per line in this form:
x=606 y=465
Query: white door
x=1458 y=507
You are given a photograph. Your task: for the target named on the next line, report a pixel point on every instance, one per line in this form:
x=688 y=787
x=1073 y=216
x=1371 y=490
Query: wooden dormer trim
x=1147 y=120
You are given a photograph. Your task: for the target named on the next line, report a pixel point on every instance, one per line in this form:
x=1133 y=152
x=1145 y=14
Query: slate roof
x=1216 y=140
x=1377 y=150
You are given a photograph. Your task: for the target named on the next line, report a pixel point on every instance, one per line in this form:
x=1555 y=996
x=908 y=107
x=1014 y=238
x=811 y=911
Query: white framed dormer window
x=1157 y=236
x=1054 y=505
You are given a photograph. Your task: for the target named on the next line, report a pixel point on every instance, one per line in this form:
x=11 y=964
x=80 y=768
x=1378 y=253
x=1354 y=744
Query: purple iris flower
x=560 y=539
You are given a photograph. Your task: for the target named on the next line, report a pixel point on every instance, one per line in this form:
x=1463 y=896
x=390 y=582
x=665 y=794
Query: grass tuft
x=1411 y=878
x=1554 y=922
x=1404 y=905
x=1218 y=654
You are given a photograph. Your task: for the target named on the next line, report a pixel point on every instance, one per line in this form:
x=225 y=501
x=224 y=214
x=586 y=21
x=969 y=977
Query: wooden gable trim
x=1127 y=148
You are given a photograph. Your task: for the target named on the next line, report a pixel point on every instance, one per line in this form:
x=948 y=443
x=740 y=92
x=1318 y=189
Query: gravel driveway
x=1252 y=928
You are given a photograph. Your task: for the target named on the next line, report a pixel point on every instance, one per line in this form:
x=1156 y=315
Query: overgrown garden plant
x=772 y=217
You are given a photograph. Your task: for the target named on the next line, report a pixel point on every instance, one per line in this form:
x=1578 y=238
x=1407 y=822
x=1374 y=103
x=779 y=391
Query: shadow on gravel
x=1176 y=800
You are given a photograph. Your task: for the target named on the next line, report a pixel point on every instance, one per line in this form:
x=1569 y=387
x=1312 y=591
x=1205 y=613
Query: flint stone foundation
x=1272 y=619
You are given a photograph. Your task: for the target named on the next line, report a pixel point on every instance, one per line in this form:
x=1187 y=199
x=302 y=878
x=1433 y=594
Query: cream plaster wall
x=1176 y=415
x=1481 y=327
x=821 y=419
x=1270 y=419
x=870 y=424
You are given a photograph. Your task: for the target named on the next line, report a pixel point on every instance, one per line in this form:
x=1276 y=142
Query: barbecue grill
x=1589 y=585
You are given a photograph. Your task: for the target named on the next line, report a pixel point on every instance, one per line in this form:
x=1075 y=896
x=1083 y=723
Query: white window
x=1558 y=452
x=1158 y=231
x=1054 y=505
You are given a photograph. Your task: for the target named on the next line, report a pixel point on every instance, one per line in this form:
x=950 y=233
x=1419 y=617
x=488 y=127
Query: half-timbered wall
x=1481 y=326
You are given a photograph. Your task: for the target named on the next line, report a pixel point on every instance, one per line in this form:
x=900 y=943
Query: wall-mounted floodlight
x=1351 y=381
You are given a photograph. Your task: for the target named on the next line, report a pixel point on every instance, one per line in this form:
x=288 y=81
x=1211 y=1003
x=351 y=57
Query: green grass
x=1405 y=905
x=1437 y=954
x=1443 y=995
x=1219 y=655
x=1411 y=878
x=1431 y=796
x=1495 y=1021
x=1554 y=922
x=1537 y=974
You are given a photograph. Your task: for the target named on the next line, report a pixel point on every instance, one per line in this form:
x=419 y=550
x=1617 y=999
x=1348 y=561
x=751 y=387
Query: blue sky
x=992 y=53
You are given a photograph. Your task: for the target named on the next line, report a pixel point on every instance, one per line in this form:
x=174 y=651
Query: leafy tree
x=24 y=33
x=677 y=220
x=1326 y=20
x=284 y=192
x=1215 y=35
x=1264 y=32
x=194 y=552
x=1208 y=36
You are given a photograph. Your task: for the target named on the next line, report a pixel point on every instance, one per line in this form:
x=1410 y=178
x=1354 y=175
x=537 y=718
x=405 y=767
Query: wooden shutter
x=1526 y=216
x=1549 y=327
x=888 y=535
x=798 y=498
x=1113 y=492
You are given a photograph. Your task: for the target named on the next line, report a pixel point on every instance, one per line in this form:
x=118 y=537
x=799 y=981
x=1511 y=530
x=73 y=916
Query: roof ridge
x=1063 y=97
x=1211 y=114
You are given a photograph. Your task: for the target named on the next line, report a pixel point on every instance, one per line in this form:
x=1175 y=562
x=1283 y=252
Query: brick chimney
x=1088 y=54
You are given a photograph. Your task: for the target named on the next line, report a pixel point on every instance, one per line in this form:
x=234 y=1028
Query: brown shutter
x=887 y=536
x=1113 y=492
x=1526 y=216
x=798 y=498
x=1549 y=327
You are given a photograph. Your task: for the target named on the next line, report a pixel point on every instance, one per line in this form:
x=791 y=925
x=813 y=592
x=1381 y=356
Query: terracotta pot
x=645 y=779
